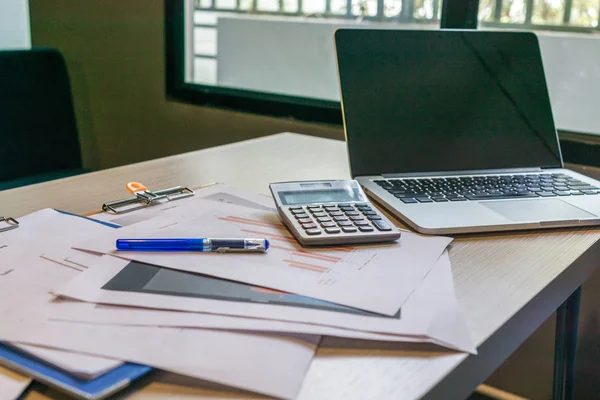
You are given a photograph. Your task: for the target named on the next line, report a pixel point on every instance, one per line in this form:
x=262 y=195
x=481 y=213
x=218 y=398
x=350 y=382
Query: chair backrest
x=38 y=131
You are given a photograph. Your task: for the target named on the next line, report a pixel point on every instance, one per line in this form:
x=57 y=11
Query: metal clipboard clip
x=142 y=198
x=6 y=224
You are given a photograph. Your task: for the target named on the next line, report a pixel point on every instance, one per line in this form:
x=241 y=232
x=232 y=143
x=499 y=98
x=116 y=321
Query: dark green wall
x=115 y=54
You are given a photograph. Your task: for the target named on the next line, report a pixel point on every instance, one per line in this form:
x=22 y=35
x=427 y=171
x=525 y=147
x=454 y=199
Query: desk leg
x=565 y=347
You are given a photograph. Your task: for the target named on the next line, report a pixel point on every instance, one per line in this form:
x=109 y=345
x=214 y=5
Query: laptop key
x=457 y=199
x=582 y=187
x=424 y=200
x=439 y=199
x=503 y=196
x=405 y=196
x=397 y=191
x=407 y=200
x=546 y=194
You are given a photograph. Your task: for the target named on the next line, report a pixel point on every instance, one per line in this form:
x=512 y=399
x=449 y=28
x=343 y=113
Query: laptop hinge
x=470 y=172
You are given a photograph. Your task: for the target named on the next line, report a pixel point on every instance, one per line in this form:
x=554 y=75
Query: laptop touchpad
x=537 y=210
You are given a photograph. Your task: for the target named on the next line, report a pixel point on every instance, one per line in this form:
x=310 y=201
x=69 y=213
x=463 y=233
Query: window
x=204 y=18
x=276 y=57
x=266 y=56
x=566 y=15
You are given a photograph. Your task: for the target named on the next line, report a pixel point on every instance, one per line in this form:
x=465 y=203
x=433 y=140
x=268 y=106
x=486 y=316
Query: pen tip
x=266 y=245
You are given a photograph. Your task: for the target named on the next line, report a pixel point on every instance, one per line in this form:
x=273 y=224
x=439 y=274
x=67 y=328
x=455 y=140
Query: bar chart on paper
x=378 y=278
x=315 y=261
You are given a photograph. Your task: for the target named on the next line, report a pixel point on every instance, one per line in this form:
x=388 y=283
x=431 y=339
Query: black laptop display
x=421 y=101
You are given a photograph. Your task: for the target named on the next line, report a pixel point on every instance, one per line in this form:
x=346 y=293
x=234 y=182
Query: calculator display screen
x=320 y=196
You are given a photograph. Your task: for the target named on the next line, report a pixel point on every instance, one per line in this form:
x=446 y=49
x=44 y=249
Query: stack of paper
x=194 y=314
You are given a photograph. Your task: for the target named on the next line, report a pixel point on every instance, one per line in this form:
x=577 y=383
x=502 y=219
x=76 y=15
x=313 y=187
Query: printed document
x=22 y=282
x=377 y=278
x=270 y=364
x=418 y=320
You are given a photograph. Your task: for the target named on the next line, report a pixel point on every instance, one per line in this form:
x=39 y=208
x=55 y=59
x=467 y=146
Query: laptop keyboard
x=487 y=187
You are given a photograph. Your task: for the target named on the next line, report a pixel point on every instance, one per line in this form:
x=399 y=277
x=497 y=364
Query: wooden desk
x=508 y=284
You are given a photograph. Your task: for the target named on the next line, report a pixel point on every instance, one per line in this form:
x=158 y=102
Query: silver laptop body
x=452 y=131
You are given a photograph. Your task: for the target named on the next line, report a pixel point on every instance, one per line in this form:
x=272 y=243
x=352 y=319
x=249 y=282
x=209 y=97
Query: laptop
x=452 y=131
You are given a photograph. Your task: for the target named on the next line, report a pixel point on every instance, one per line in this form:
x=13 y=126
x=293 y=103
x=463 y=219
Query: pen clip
x=231 y=250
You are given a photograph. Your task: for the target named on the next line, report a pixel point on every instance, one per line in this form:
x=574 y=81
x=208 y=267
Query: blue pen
x=196 y=244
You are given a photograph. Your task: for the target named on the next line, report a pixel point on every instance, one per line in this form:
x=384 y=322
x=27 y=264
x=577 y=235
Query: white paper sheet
x=23 y=283
x=268 y=364
x=434 y=296
x=216 y=192
x=12 y=384
x=377 y=278
x=273 y=365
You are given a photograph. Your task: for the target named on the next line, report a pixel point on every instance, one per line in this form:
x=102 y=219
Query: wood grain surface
x=495 y=275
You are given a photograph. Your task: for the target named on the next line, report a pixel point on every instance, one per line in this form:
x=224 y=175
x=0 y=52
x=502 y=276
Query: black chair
x=38 y=132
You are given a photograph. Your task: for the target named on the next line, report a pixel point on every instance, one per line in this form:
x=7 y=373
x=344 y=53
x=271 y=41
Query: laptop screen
x=424 y=101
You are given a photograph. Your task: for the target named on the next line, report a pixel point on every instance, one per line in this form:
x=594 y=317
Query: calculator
x=330 y=213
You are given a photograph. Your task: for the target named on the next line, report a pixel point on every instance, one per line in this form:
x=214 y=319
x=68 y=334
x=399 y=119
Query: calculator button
x=340 y=218
x=313 y=207
x=297 y=211
x=347 y=208
x=357 y=218
x=332 y=230
x=345 y=205
x=328 y=224
x=330 y=206
x=345 y=223
x=313 y=232
x=363 y=207
x=365 y=228
x=295 y=208
x=361 y=223
x=373 y=217
x=369 y=212
x=309 y=226
x=332 y=209
x=352 y=213
x=324 y=219
x=382 y=226
x=349 y=229
x=335 y=213
x=319 y=214
x=303 y=215
x=305 y=220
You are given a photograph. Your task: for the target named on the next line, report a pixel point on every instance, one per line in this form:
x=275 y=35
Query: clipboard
x=8 y=223
x=142 y=198
x=42 y=371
